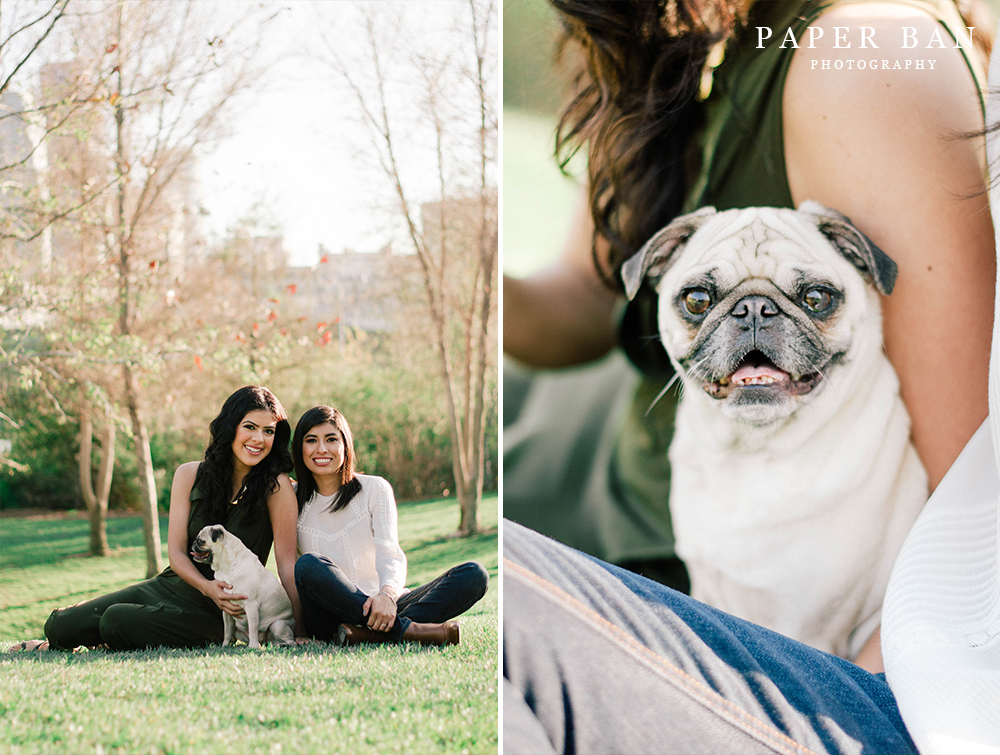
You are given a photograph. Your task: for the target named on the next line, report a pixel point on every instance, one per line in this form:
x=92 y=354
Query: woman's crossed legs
x=597 y=659
x=330 y=598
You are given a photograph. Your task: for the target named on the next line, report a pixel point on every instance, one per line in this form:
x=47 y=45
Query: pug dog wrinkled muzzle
x=793 y=478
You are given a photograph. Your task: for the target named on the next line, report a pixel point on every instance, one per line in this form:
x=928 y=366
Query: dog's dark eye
x=817 y=300
x=697 y=301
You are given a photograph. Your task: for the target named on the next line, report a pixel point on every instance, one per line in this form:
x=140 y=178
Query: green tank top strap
x=739 y=153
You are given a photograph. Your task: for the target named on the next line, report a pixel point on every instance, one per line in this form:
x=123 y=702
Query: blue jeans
x=329 y=598
x=599 y=660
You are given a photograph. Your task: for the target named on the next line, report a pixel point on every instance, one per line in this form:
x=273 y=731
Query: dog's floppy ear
x=217 y=534
x=657 y=253
x=859 y=250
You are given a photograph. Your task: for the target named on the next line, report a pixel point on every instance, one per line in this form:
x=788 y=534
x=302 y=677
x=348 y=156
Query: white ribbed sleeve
x=941 y=617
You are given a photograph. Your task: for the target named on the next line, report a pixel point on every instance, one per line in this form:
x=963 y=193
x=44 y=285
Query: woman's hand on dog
x=218 y=592
x=381 y=612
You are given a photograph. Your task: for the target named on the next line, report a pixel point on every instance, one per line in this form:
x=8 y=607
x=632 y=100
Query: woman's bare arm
x=563 y=315
x=284 y=511
x=885 y=147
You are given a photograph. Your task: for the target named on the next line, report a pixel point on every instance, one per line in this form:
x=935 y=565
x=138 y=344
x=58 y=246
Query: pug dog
x=794 y=480
x=267 y=611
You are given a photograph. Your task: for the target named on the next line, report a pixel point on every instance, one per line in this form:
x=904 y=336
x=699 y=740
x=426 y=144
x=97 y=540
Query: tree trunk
x=97 y=499
x=140 y=435
x=147 y=482
x=462 y=367
x=469 y=496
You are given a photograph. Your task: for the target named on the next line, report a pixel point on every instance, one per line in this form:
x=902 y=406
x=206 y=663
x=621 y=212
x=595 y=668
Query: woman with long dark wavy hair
x=681 y=104
x=243 y=484
x=352 y=574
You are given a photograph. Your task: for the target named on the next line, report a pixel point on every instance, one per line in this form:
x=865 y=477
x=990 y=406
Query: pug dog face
x=203 y=547
x=760 y=308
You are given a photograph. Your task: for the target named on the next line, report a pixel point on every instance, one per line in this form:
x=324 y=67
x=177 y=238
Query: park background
x=195 y=196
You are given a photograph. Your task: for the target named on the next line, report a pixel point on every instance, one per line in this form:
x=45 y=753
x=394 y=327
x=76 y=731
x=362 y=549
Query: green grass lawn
x=314 y=698
x=538 y=198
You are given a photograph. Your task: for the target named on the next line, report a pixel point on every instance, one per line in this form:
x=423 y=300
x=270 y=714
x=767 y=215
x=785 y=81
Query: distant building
x=77 y=163
x=19 y=169
x=457 y=220
x=74 y=158
x=363 y=290
x=175 y=216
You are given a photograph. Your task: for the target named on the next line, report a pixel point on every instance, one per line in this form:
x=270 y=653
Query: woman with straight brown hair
x=352 y=574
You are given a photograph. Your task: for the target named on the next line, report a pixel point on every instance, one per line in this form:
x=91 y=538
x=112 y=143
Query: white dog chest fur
x=794 y=480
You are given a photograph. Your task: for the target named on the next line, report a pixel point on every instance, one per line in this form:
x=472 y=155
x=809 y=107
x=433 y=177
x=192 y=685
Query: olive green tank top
x=739 y=161
x=741 y=148
x=256 y=535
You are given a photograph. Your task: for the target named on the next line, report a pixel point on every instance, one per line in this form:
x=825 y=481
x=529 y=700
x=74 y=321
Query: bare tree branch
x=59 y=8
x=51 y=219
x=457 y=277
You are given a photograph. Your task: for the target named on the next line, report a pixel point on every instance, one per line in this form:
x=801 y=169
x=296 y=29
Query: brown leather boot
x=355 y=634
x=432 y=634
x=425 y=634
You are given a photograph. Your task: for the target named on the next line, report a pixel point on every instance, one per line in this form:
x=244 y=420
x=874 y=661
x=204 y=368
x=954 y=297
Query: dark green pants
x=144 y=615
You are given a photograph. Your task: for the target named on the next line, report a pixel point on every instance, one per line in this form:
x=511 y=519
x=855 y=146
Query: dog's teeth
x=796 y=378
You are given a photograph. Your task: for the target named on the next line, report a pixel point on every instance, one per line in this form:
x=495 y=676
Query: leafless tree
x=33 y=27
x=451 y=226
x=169 y=88
x=29 y=116
x=155 y=82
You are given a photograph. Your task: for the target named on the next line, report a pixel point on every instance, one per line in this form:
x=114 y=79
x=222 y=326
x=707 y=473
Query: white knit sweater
x=362 y=538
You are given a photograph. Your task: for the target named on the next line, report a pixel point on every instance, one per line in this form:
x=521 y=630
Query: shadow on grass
x=35 y=542
x=314 y=648
x=451 y=545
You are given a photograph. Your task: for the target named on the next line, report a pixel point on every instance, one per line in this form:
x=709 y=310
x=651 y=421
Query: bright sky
x=282 y=161
x=291 y=159
x=293 y=153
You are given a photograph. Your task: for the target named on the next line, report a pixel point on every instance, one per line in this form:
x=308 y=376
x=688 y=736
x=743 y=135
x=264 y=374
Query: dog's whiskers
x=662 y=393
x=694 y=369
